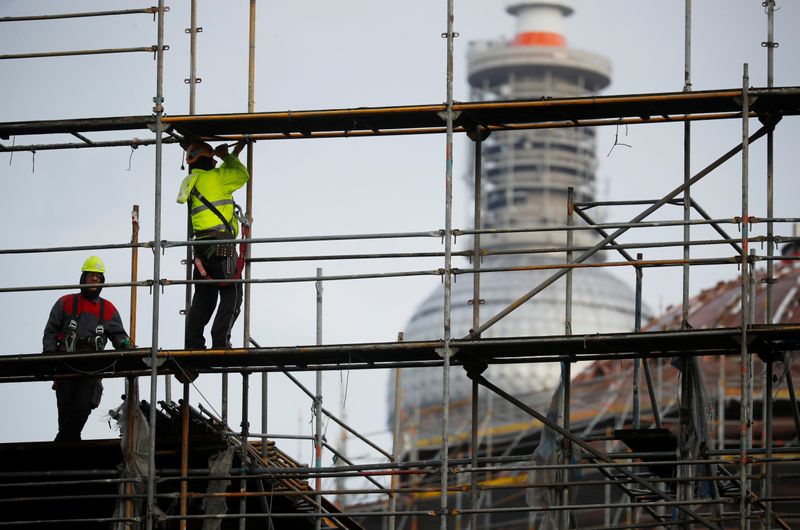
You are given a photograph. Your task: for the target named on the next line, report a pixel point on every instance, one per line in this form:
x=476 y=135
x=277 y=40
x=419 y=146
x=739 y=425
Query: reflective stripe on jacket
x=217 y=185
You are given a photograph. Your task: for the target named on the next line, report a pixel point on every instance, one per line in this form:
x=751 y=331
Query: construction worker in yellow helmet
x=208 y=191
x=80 y=323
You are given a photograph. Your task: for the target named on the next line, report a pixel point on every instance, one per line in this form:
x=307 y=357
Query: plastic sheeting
x=219 y=465
x=549 y=452
x=135 y=451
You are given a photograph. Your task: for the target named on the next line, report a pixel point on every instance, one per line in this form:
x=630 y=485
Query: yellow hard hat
x=198 y=149
x=93 y=264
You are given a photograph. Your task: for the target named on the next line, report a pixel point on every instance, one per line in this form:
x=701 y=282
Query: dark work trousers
x=75 y=399
x=205 y=300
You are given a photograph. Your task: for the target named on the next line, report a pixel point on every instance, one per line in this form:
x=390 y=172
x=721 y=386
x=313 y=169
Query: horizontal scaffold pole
x=27 y=18
x=67 y=53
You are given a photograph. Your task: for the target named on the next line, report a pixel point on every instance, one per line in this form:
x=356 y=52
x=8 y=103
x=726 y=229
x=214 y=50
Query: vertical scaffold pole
x=770 y=280
x=318 y=404
x=770 y=45
x=687 y=170
x=131 y=385
x=686 y=452
x=134 y=270
x=251 y=102
x=637 y=326
x=244 y=457
x=193 y=59
x=158 y=110
x=566 y=367
x=448 y=249
x=341 y=482
x=396 y=445
x=189 y=231
x=476 y=319
x=744 y=411
x=192 y=109
x=570 y=239
x=184 y=500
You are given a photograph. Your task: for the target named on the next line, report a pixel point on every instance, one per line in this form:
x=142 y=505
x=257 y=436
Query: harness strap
x=202 y=208
x=75 y=301
x=240 y=261
x=213 y=208
x=100 y=338
x=70 y=334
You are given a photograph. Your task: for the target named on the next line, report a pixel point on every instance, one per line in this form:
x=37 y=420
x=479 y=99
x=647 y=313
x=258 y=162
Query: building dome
x=601 y=303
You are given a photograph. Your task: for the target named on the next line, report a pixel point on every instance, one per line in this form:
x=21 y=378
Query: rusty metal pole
x=131 y=387
x=744 y=412
x=134 y=269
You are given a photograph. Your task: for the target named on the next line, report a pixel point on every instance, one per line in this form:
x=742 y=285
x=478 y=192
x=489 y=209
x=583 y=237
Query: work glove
x=221 y=150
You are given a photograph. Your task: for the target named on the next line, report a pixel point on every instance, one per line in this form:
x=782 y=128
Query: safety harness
x=237 y=212
x=71 y=340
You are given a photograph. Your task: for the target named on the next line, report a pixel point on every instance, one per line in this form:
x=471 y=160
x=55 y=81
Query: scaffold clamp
x=159 y=361
x=441 y=352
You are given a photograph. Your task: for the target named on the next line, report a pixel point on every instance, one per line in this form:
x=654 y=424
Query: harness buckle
x=100 y=338
x=71 y=336
x=239 y=215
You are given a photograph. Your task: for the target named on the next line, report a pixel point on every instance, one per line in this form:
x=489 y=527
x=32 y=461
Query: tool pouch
x=226 y=255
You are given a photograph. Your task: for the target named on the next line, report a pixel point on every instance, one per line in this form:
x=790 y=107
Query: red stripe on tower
x=539 y=38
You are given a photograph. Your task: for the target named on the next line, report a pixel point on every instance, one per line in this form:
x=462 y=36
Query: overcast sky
x=320 y=55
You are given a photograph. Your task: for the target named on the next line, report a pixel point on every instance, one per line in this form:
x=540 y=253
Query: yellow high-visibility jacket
x=217 y=186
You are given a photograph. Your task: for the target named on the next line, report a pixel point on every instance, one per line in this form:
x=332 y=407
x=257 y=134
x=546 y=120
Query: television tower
x=527 y=173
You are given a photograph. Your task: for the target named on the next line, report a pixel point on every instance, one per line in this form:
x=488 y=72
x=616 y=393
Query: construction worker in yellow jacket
x=209 y=192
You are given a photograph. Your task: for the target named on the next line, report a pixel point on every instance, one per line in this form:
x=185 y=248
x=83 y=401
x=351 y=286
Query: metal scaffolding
x=424 y=481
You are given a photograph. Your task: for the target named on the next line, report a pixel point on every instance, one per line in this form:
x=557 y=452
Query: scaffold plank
x=498 y=115
x=723 y=341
